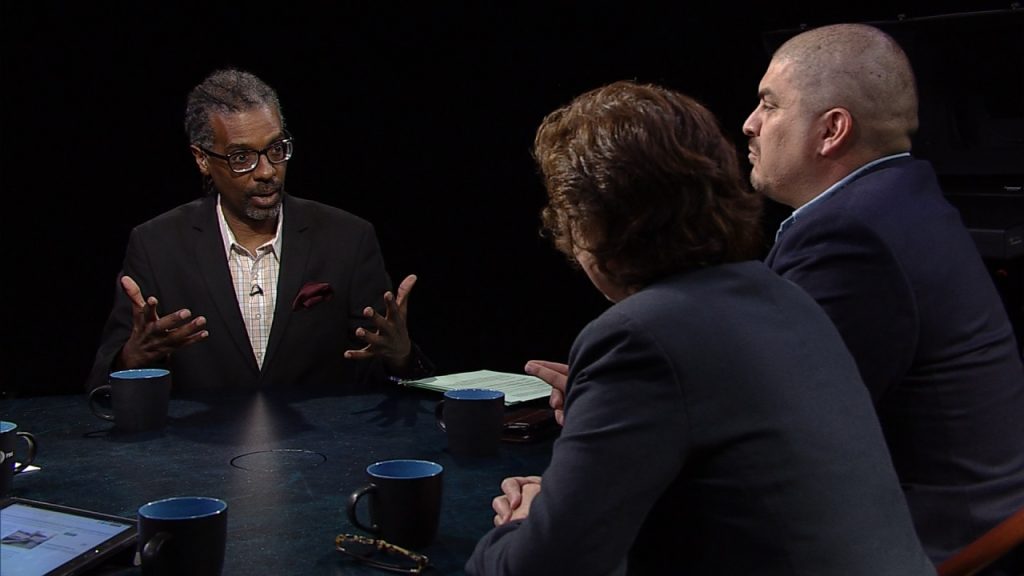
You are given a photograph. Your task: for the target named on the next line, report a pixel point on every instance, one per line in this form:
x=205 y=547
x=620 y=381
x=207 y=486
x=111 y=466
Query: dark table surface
x=285 y=466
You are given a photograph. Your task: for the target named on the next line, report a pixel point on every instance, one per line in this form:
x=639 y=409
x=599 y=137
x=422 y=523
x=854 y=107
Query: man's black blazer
x=179 y=258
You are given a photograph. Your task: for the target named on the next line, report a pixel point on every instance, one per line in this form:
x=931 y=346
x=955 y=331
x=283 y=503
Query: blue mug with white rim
x=473 y=419
x=183 y=535
x=404 y=501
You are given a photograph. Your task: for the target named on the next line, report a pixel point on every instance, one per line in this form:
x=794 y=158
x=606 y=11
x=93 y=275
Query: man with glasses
x=249 y=287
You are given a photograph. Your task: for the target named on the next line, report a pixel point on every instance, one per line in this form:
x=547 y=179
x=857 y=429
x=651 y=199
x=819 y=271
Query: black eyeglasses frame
x=287 y=140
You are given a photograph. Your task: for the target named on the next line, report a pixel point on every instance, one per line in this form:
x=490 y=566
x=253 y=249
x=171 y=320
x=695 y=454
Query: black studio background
x=416 y=116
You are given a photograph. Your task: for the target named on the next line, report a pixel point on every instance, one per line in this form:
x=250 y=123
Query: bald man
x=875 y=243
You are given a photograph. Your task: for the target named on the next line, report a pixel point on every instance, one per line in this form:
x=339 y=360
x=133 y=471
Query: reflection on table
x=285 y=465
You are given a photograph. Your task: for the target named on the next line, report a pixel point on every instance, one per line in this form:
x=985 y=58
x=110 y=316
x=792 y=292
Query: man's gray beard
x=262 y=213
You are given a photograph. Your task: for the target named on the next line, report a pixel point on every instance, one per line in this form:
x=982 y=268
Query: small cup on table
x=183 y=535
x=139 y=398
x=473 y=419
x=404 y=501
x=9 y=465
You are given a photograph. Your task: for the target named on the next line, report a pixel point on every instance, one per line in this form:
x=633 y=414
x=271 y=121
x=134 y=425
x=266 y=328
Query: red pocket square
x=311 y=294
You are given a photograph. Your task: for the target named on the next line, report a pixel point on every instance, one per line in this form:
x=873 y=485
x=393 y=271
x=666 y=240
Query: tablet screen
x=40 y=539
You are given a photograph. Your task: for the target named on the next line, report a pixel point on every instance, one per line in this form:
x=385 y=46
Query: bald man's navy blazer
x=891 y=262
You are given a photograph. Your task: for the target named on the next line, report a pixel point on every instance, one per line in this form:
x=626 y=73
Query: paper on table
x=517 y=387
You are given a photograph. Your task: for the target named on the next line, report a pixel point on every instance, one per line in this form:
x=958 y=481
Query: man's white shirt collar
x=228 y=236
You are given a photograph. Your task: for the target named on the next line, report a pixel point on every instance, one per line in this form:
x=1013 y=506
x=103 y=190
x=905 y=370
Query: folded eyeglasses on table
x=381 y=554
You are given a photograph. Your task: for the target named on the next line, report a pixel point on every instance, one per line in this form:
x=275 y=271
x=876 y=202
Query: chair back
x=987 y=548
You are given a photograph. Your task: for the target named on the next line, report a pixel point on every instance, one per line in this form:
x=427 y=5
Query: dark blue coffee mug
x=139 y=398
x=473 y=419
x=404 y=501
x=183 y=535
x=9 y=435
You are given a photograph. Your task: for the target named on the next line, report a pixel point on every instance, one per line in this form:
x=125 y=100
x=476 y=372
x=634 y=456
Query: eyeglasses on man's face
x=381 y=554
x=242 y=161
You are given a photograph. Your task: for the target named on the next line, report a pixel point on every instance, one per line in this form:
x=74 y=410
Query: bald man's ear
x=837 y=131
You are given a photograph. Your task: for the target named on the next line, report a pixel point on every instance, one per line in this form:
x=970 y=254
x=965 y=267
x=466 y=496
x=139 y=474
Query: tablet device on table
x=43 y=539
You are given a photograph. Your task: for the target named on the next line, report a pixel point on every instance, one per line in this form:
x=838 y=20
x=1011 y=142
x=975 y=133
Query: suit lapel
x=770 y=258
x=213 y=267
x=295 y=248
